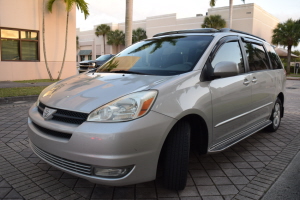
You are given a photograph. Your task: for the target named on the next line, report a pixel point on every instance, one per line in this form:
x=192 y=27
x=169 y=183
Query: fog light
x=112 y=172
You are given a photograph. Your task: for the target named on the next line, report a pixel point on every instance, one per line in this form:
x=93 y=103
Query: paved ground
x=245 y=171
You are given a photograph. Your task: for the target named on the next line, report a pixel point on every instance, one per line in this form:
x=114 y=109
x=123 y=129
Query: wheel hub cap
x=276 y=115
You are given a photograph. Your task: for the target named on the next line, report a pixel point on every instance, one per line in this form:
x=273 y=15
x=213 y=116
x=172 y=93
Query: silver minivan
x=202 y=88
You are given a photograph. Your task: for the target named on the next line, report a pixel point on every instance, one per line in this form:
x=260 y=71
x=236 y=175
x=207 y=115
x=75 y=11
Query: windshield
x=104 y=57
x=165 y=56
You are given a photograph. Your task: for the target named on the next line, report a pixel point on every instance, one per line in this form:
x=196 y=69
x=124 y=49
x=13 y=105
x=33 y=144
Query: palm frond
x=50 y=5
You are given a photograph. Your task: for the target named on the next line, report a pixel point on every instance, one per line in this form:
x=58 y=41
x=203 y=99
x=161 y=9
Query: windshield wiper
x=127 y=72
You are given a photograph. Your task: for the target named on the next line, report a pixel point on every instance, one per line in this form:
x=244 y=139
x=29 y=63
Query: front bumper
x=135 y=143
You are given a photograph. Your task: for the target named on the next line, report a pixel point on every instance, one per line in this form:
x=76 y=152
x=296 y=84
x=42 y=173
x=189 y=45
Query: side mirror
x=226 y=69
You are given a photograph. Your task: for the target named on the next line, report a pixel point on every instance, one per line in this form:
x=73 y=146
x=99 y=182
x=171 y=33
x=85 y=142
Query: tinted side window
x=257 y=57
x=275 y=60
x=230 y=52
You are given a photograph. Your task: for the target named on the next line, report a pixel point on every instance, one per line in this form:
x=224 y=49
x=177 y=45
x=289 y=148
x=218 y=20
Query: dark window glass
x=82 y=58
x=166 y=56
x=18 y=45
x=257 y=57
x=230 y=51
x=29 y=50
x=10 y=49
x=89 y=57
x=275 y=60
x=104 y=57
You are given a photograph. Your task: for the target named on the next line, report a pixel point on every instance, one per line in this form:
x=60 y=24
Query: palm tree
x=214 y=21
x=44 y=43
x=77 y=42
x=128 y=23
x=116 y=37
x=212 y=3
x=103 y=29
x=83 y=7
x=138 y=35
x=287 y=34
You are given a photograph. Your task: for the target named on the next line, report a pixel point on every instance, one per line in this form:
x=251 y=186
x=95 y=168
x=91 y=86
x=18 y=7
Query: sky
x=113 y=11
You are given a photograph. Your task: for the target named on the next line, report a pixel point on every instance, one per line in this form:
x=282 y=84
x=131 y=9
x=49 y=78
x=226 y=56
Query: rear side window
x=275 y=60
x=230 y=52
x=256 y=56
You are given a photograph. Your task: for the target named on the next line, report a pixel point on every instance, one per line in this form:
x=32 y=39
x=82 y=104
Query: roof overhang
x=85 y=52
x=283 y=53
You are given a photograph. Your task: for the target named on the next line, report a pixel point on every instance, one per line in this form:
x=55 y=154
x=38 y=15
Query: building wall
x=28 y=15
x=263 y=24
x=242 y=17
x=249 y=18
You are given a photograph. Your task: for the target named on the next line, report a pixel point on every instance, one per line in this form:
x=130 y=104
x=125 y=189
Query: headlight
x=126 y=108
x=37 y=103
x=93 y=64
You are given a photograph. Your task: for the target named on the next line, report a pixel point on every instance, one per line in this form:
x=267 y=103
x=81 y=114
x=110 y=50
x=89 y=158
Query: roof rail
x=237 y=31
x=205 y=30
x=200 y=30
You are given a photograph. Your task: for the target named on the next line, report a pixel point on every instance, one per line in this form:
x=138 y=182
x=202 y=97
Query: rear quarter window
x=275 y=60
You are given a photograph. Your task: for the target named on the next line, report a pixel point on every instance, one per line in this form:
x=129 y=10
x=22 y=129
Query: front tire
x=176 y=156
x=275 y=116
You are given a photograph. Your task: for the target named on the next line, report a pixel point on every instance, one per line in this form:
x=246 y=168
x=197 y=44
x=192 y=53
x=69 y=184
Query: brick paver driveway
x=244 y=171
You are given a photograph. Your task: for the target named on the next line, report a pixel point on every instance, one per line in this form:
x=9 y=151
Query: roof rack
x=206 y=30
x=237 y=31
x=200 y=30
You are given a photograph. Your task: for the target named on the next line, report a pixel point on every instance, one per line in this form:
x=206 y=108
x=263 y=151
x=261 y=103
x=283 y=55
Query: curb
x=258 y=187
x=7 y=100
x=293 y=78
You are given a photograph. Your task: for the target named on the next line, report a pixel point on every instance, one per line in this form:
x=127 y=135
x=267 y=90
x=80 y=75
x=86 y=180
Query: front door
x=231 y=96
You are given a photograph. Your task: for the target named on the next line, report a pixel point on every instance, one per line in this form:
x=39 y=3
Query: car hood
x=88 y=61
x=88 y=91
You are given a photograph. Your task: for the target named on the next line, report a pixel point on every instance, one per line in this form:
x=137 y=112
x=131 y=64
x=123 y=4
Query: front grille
x=85 y=64
x=65 y=115
x=52 y=132
x=66 y=164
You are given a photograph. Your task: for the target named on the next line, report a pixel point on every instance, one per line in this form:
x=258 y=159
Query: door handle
x=246 y=82
x=254 y=80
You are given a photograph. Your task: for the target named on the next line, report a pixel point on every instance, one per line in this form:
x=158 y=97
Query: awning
x=283 y=53
x=85 y=52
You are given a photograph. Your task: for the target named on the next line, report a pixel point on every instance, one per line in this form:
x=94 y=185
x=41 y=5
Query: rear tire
x=275 y=116
x=176 y=156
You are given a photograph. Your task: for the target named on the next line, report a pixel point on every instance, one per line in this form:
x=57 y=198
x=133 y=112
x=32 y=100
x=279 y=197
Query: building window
x=19 y=45
x=82 y=57
x=89 y=57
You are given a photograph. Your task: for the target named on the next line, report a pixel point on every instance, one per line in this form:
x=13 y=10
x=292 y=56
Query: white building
x=249 y=18
x=21 y=44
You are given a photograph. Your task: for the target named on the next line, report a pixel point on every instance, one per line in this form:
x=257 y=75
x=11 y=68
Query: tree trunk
x=44 y=43
x=66 y=41
x=288 y=71
x=128 y=23
x=230 y=13
x=104 y=42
